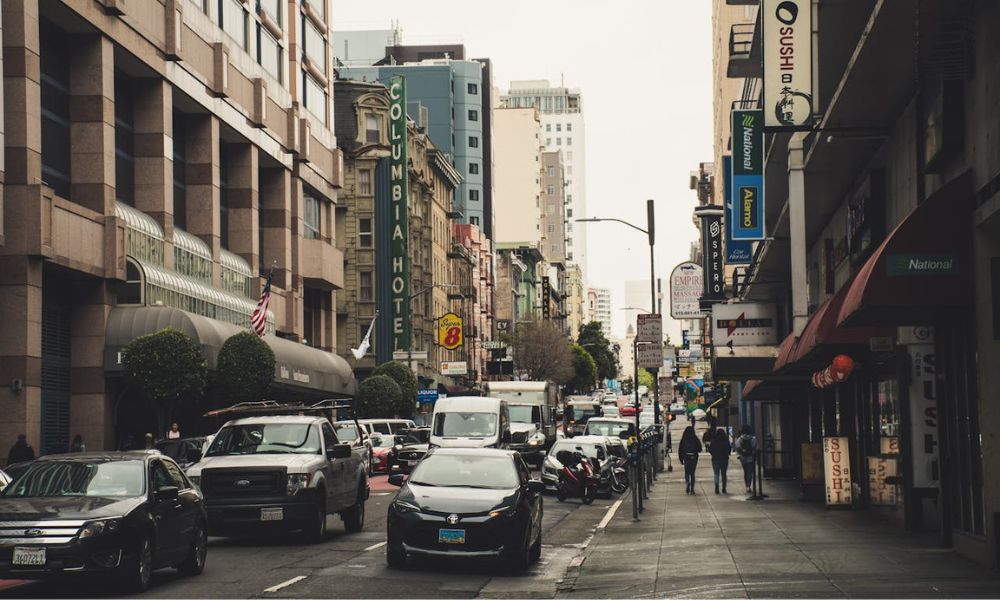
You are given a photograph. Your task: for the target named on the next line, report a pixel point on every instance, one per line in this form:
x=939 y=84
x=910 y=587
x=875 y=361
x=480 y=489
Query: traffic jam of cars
x=466 y=484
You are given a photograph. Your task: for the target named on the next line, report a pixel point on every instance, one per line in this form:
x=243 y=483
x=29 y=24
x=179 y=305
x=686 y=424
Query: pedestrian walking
x=149 y=443
x=688 y=451
x=175 y=432
x=746 y=449
x=21 y=451
x=707 y=437
x=78 y=445
x=720 y=451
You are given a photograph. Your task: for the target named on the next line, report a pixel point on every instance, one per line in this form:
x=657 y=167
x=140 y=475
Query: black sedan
x=467 y=502
x=123 y=514
x=414 y=444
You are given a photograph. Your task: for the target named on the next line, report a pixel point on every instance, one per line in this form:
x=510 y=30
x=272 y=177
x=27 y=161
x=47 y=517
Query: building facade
x=576 y=300
x=553 y=205
x=160 y=160
x=599 y=308
x=518 y=163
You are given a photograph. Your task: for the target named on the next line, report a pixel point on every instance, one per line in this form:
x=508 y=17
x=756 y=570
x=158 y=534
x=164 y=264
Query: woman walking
x=688 y=451
x=720 y=451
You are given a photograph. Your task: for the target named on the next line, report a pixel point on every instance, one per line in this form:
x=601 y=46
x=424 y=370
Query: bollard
x=635 y=494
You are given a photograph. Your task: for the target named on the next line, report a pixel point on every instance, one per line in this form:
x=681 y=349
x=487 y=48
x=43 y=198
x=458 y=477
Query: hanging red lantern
x=842 y=367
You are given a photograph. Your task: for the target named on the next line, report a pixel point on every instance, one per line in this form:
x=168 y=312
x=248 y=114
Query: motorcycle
x=619 y=477
x=577 y=477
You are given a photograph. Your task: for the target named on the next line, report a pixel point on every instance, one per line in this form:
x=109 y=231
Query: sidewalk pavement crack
x=729 y=546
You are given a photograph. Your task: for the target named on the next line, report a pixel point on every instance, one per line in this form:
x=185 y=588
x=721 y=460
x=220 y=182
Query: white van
x=470 y=422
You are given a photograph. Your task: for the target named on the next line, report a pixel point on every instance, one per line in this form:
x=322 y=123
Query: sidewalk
x=725 y=546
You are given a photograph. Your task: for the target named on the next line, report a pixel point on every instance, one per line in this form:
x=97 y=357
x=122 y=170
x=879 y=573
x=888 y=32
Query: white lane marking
x=374 y=546
x=609 y=515
x=284 y=584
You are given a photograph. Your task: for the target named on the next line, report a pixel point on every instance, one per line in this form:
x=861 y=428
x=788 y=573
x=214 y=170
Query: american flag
x=258 y=320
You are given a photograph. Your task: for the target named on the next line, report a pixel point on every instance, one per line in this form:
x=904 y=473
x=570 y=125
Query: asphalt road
x=353 y=565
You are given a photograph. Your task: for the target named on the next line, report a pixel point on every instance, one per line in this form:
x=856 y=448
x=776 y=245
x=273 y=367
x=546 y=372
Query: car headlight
x=503 y=512
x=401 y=506
x=101 y=527
x=296 y=482
x=537 y=439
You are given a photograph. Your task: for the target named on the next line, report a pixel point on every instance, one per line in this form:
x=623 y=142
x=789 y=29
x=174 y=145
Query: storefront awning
x=922 y=268
x=822 y=330
x=785 y=351
x=296 y=366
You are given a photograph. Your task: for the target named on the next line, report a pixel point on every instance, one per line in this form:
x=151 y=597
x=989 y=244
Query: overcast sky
x=645 y=70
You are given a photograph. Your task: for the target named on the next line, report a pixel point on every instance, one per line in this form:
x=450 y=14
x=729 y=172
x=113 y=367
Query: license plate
x=29 y=556
x=451 y=536
x=272 y=514
x=411 y=463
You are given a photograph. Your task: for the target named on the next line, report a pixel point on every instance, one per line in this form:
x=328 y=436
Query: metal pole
x=639 y=479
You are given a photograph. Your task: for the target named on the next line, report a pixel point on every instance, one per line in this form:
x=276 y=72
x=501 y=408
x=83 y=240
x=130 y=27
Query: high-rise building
x=553 y=207
x=561 y=113
x=599 y=308
x=518 y=162
x=636 y=300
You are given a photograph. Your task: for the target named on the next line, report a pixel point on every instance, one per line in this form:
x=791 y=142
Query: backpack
x=744 y=446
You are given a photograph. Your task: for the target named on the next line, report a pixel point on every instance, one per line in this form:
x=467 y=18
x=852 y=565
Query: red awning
x=785 y=352
x=750 y=386
x=921 y=268
x=822 y=330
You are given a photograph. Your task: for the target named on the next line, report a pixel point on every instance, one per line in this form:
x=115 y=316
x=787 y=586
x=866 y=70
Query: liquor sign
x=746 y=213
x=923 y=416
x=837 y=469
x=744 y=324
x=454 y=368
x=787 y=54
x=737 y=252
x=427 y=396
x=451 y=335
x=713 y=280
x=649 y=355
x=399 y=186
x=649 y=328
x=685 y=290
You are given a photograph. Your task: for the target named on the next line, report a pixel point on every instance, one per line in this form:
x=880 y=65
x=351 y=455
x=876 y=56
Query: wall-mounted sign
x=744 y=324
x=649 y=328
x=546 y=292
x=747 y=201
x=908 y=265
x=427 y=396
x=399 y=186
x=454 y=368
x=837 y=470
x=923 y=416
x=787 y=54
x=713 y=281
x=685 y=290
x=503 y=325
x=649 y=355
x=450 y=332
x=737 y=252
x=492 y=345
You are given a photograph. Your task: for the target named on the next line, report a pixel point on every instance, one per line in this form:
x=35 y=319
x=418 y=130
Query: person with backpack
x=746 y=449
x=688 y=451
x=720 y=451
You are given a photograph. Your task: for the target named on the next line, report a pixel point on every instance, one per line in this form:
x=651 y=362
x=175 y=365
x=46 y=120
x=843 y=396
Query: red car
x=629 y=410
x=381 y=448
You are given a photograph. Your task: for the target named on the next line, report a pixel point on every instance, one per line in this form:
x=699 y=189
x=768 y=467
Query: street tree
x=378 y=397
x=542 y=352
x=645 y=378
x=165 y=369
x=245 y=368
x=584 y=371
x=605 y=353
x=407 y=382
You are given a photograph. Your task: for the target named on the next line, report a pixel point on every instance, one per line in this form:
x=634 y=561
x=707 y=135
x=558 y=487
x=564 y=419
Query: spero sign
x=399 y=186
x=685 y=291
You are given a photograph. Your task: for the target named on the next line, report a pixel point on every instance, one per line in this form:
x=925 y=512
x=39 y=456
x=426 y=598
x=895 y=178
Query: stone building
x=160 y=158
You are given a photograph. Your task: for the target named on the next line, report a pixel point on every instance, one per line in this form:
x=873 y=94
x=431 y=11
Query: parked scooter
x=577 y=478
x=619 y=476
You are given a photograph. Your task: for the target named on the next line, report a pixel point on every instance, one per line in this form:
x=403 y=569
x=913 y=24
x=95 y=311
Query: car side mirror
x=397 y=479
x=339 y=451
x=536 y=486
x=167 y=492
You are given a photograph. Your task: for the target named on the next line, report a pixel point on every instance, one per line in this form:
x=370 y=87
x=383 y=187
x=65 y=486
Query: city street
x=353 y=566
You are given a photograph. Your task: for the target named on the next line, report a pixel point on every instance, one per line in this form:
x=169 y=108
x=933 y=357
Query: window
x=55 y=108
x=310 y=217
x=180 y=171
x=548 y=141
x=473 y=88
x=201 y=4
x=552 y=228
x=569 y=227
x=569 y=169
x=474 y=220
x=318 y=6
x=569 y=127
x=365 y=233
x=365 y=181
x=314 y=96
x=569 y=212
x=224 y=196
x=373 y=134
x=569 y=198
x=473 y=168
x=550 y=190
x=558 y=126
x=233 y=18
x=474 y=195
x=473 y=141
x=548 y=127
x=473 y=115
x=569 y=141
x=272 y=8
x=268 y=52
x=558 y=141
x=315 y=45
x=365 y=286
x=124 y=141
x=569 y=155
x=550 y=171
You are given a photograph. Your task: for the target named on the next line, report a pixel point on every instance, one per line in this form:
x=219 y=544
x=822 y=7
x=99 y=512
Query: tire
x=519 y=559
x=617 y=485
x=588 y=495
x=395 y=557
x=354 y=517
x=194 y=562
x=536 y=549
x=315 y=532
x=137 y=572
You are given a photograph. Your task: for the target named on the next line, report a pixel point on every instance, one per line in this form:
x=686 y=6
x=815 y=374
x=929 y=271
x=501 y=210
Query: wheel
x=354 y=517
x=536 y=548
x=519 y=558
x=137 y=571
x=618 y=486
x=588 y=495
x=194 y=562
x=316 y=530
x=395 y=557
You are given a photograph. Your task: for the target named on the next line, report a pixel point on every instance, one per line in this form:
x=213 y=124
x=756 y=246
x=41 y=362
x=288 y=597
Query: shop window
x=55 y=108
x=311 y=214
x=233 y=18
x=124 y=140
x=365 y=233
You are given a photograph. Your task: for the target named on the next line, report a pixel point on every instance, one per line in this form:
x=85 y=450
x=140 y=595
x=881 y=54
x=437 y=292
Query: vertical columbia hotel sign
x=399 y=188
x=747 y=202
x=788 y=73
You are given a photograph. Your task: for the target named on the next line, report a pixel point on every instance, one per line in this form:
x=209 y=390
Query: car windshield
x=383 y=441
x=346 y=432
x=266 y=438
x=582 y=413
x=525 y=414
x=465 y=424
x=415 y=436
x=448 y=470
x=586 y=449
x=47 y=479
x=608 y=428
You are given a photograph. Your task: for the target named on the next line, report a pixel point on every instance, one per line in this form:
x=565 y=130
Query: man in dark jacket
x=688 y=451
x=20 y=451
x=720 y=449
